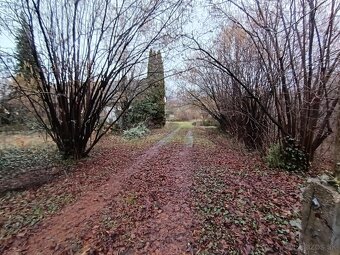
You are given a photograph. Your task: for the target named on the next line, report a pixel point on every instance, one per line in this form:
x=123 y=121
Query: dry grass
x=22 y=140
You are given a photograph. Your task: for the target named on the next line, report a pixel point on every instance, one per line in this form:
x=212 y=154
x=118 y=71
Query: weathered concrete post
x=320 y=234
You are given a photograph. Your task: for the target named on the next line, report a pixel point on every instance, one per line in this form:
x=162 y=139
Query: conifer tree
x=156 y=83
x=26 y=65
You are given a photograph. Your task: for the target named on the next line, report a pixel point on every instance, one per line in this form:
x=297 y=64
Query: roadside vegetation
x=126 y=128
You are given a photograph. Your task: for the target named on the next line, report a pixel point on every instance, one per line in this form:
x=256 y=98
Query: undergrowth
x=289 y=157
x=137 y=132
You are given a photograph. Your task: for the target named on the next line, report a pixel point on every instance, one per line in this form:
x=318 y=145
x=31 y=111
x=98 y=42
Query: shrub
x=136 y=132
x=289 y=157
x=209 y=122
x=140 y=112
x=274 y=156
x=293 y=157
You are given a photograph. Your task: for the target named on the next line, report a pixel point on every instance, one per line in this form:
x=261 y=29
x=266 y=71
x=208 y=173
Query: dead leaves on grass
x=244 y=207
x=20 y=211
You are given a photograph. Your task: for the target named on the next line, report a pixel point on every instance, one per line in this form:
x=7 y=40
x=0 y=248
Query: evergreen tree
x=26 y=64
x=156 y=94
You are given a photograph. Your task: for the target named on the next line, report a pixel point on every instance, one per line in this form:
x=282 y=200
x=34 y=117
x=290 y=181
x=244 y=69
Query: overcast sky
x=199 y=25
x=202 y=28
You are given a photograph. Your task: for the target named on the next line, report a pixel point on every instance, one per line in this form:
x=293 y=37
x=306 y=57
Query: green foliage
x=156 y=93
x=35 y=211
x=26 y=64
x=16 y=159
x=27 y=161
x=294 y=158
x=136 y=132
x=335 y=183
x=149 y=108
x=183 y=124
x=141 y=112
x=108 y=222
x=209 y=122
x=289 y=156
x=274 y=156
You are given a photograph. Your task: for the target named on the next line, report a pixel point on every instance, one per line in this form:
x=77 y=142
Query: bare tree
x=84 y=50
x=222 y=97
x=337 y=144
x=297 y=45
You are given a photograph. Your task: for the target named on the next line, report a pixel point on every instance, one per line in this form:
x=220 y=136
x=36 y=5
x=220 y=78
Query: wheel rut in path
x=55 y=230
x=169 y=231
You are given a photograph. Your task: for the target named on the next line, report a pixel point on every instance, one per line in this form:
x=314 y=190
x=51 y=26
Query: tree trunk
x=337 y=147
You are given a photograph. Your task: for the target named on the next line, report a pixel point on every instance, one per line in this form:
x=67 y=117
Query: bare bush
x=82 y=52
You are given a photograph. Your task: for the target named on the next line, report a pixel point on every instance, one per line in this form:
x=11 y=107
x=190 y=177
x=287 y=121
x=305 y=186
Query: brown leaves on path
x=82 y=189
x=155 y=203
x=189 y=193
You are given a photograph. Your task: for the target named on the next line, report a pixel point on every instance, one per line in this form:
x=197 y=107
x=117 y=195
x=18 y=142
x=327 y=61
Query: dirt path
x=165 y=232
x=193 y=192
x=169 y=230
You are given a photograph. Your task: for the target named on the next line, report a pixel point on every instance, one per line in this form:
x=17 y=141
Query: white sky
x=202 y=28
x=199 y=25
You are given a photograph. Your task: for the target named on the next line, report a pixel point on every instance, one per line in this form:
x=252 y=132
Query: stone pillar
x=320 y=234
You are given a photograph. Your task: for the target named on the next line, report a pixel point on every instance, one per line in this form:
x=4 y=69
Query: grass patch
x=179 y=137
x=13 y=158
x=29 y=163
x=23 y=167
x=182 y=124
x=23 y=139
x=19 y=152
